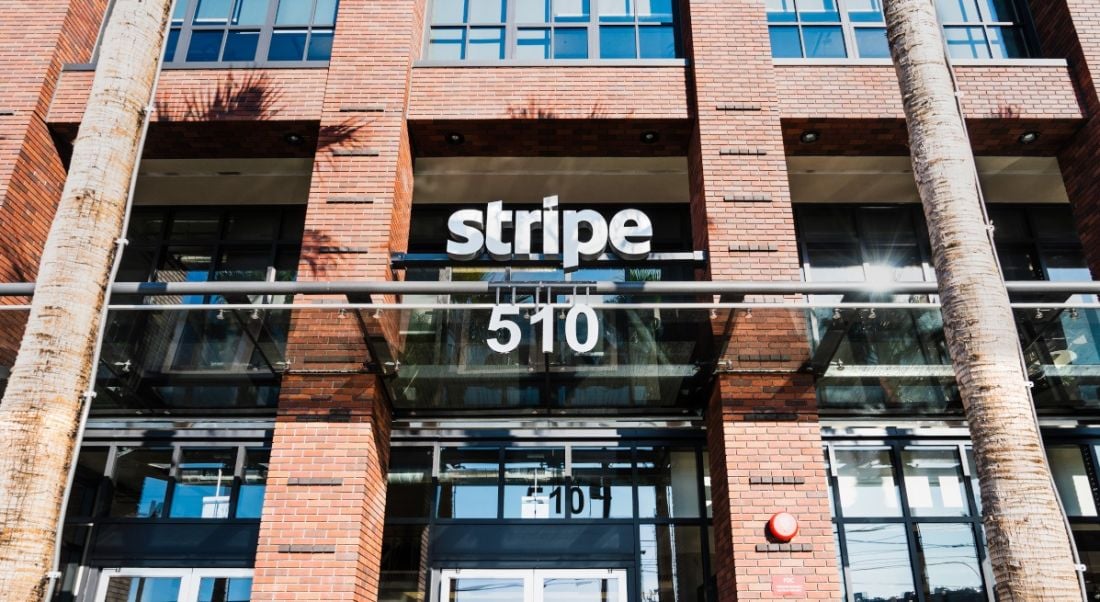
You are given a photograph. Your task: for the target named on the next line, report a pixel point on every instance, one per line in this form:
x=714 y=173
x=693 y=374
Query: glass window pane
x=785 y=42
x=486 y=590
x=672 y=563
x=866 y=481
x=571 y=10
x=934 y=482
x=966 y=42
x=668 y=483
x=241 y=46
x=325 y=13
x=140 y=482
x=657 y=42
x=999 y=10
x=532 y=11
x=872 y=43
x=954 y=11
x=1068 y=465
x=534 y=483
x=1007 y=43
x=204 y=482
x=447 y=44
x=410 y=482
x=179 y=12
x=204 y=46
x=533 y=44
x=448 y=11
x=294 y=12
x=818 y=11
x=781 y=11
x=878 y=562
x=570 y=43
x=287 y=45
x=486 y=11
x=616 y=10
x=87 y=481
x=468 y=479
x=950 y=569
x=212 y=12
x=604 y=478
x=143 y=589
x=865 y=11
x=403 y=563
x=170 y=45
x=654 y=11
x=580 y=589
x=486 y=44
x=250 y=500
x=824 y=42
x=320 y=46
x=834 y=262
x=250 y=12
x=225 y=589
x=617 y=42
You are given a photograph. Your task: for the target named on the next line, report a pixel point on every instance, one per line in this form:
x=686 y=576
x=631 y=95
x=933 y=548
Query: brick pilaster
x=762 y=422
x=320 y=537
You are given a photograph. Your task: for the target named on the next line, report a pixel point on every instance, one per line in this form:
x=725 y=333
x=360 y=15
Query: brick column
x=321 y=534
x=1070 y=29
x=762 y=422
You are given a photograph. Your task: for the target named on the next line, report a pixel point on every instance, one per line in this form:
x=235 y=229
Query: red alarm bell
x=783 y=526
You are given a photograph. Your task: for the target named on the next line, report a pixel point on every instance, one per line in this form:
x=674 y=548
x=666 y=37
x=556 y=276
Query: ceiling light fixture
x=295 y=139
x=809 y=137
x=455 y=138
x=1029 y=137
x=650 y=137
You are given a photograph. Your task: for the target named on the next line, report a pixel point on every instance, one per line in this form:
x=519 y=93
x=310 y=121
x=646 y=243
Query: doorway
x=533 y=585
x=174 y=585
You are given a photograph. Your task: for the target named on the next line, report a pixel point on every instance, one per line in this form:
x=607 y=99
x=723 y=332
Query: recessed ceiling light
x=455 y=138
x=650 y=137
x=294 y=139
x=1029 y=137
x=809 y=137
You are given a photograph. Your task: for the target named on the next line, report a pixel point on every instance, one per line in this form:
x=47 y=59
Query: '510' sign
x=504 y=319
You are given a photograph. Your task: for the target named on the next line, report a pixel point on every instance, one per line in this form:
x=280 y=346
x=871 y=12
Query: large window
x=265 y=32
x=539 y=30
x=908 y=522
x=655 y=496
x=830 y=29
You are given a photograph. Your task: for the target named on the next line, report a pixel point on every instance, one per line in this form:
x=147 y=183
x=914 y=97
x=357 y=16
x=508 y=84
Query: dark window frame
x=510 y=26
x=181 y=32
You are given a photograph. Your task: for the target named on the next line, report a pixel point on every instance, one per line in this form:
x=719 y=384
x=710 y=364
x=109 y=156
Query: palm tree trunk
x=42 y=407
x=1029 y=547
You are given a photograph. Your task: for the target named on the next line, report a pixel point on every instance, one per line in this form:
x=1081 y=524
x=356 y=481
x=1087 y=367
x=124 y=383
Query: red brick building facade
x=369 y=139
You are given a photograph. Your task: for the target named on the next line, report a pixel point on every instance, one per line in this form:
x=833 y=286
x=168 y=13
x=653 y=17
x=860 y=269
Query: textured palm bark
x=1028 y=545
x=41 y=409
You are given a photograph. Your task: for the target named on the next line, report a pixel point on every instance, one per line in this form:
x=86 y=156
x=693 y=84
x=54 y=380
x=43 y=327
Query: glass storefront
x=635 y=512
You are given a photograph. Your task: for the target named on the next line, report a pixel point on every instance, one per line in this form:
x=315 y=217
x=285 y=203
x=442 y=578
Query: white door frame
x=190 y=579
x=532 y=579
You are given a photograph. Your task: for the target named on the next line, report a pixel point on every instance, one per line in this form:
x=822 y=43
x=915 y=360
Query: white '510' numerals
x=508 y=340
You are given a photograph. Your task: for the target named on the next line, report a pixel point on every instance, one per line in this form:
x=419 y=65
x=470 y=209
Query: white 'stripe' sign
x=474 y=231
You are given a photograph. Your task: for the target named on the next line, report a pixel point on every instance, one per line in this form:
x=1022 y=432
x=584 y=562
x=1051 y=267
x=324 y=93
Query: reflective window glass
x=604 y=477
x=570 y=43
x=818 y=11
x=950 y=571
x=205 y=46
x=865 y=478
x=140 y=482
x=672 y=563
x=204 y=483
x=532 y=11
x=871 y=43
x=533 y=44
x=615 y=10
x=325 y=13
x=404 y=563
x=87 y=481
x=786 y=43
x=287 y=45
x=534 y=483
x=225 y=589
x=486 y=43
x=250 y=499
x=1067 y=463
x=294 y=12
x=485 y=11
x=823 y=42
x=966 y=42
x=958 y=10
x=143 y=589
x=580 y=589
x=668 y=483
x=241 y=46
x=486 y=590
x=617 y=43
x=878 y=562
x=249 y=12
x=656 y=42
x=410 y=482
x=999 y=10
x=571 y=11
x=865 y=11
x=320 y=46
x=934 y=482
x=781 y=11
x=654 y=10
x=447 y=44
x=212 y=12
x=468 y=479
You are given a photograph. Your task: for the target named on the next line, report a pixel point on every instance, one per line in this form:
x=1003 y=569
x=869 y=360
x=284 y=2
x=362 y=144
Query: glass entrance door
x=174 y=585
x=558 y=585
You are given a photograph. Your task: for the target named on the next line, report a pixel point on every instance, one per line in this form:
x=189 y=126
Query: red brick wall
x=357 y=214
x=742 y=214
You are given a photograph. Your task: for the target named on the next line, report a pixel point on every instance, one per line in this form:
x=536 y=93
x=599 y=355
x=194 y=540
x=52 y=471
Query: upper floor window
x=974 y=29
x=494 y=30
x=206 y=32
